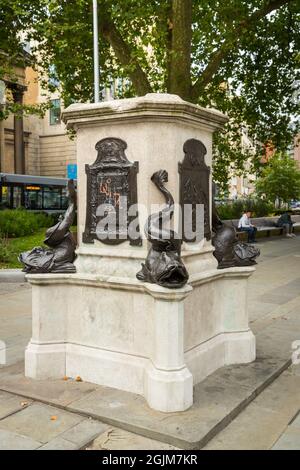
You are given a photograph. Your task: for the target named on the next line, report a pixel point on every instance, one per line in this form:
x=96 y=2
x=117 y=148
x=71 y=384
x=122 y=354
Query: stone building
x=34 y=145
x=242 y=186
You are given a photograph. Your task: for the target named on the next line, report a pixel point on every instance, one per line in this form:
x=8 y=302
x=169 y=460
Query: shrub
x=19 y=222
x=45 y=220
x=261 y=207
x=4 y=251
x=234 y=209
x=231 y=210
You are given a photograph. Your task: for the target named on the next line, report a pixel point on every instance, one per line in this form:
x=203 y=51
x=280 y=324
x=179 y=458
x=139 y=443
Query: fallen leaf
x=24 y=403
x=53 y=418
x=78 y=378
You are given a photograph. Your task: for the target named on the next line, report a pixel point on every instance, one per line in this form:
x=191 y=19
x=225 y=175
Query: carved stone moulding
x=112 y=187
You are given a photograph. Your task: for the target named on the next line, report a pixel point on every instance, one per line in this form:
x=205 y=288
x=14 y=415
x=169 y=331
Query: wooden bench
x=264 y=225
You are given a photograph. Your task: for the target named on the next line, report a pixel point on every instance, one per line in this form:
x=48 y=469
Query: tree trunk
x=179 y=81
x=123 y=53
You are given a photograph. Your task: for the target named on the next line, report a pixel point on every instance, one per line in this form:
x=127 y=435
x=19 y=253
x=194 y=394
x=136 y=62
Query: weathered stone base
x=137 y=337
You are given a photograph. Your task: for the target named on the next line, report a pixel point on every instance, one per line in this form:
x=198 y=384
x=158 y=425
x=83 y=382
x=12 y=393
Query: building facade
x=48 y=150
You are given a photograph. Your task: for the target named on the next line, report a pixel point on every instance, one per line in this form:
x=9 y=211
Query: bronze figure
x=229 y=252
x=163 y=265
x=61 y=255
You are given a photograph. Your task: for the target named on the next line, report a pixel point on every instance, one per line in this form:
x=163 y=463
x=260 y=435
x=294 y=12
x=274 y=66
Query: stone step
x=264 y=423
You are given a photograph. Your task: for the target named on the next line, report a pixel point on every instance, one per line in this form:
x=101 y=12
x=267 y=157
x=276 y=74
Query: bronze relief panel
x=111 y=192
x=194 y=187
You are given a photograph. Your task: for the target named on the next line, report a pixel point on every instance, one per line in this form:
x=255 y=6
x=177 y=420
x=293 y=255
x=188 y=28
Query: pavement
x=255 y=406
x=12 y=276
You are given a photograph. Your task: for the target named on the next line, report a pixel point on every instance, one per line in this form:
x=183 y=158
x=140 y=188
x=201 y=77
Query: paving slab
x=185 y=429
x=276 y=341
x=290 y=440
x=40 y=422
x=264 y=421
x=295 y=369
x=57 y=392
x=277 y=297
x=296 y=421
x=10 y=404
x=12 y=441
x=283 y=395
x=84 y=432
x=11 y=286
x=59 y=444
x=118 y=439
x=256 y=428
x=16 y=368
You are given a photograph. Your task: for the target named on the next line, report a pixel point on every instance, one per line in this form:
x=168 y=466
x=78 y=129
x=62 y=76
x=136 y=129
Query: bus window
x=17 y=197
x=52 y=198
x=6 y=195
x=33 y=197
x=64 y=199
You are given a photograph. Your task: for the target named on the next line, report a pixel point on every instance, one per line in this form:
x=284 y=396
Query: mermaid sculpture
x=58 y=259
x=163 y=265
x=229 y=252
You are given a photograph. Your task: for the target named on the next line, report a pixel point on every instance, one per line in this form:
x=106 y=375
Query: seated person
x=286 y=222
x=246 y=226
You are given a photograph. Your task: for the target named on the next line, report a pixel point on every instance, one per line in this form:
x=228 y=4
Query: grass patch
x=10 y=248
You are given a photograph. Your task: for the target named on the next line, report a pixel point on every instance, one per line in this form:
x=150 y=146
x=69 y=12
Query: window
x=52 y=198
x=2 y=92
x=55 y=112
x=17 y=197
x=64 y=199
x=6 y=196
x=52 y=77
x=33 y=197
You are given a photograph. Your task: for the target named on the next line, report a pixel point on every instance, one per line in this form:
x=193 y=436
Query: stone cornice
x=129 y=284
x=153 y=107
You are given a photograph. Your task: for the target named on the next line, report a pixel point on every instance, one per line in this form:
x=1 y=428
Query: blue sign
x=72 y=171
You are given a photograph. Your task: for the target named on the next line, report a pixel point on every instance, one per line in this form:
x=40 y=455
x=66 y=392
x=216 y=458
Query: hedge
x=19 y=222
x=235 y=209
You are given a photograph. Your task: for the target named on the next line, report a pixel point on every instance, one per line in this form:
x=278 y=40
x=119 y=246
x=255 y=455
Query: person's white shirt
x=245 y=222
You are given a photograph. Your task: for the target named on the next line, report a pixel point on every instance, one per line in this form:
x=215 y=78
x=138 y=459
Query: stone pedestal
x=102 y=323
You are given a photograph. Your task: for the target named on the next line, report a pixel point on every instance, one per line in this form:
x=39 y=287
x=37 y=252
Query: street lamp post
x=96 y=51
x=2 y=132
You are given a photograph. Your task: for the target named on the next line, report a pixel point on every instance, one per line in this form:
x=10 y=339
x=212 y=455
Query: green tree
x=12 y=54
x=279 y=179
x=240 y=56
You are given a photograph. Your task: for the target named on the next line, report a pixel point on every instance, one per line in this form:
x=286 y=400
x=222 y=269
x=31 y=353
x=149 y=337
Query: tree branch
x=216 y=59
x=123 y=53
x=179 y=79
